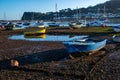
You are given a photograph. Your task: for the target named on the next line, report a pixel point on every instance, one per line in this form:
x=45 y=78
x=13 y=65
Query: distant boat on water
x=95 y=23
x=2 y=27
x=9 y=26
x=116 y=38
x=64 y=24
x=116 y=28
x=20 y=25
x=51 y=24
x=17 y=27
x=76 y=25
x=36 y=24
x=84 y=45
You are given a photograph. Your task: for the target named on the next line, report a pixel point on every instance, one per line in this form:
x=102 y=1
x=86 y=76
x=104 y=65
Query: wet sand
x=40 y=60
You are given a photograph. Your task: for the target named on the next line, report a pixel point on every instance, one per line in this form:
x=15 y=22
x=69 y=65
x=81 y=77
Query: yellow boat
x=35 y=31
x=35 y=36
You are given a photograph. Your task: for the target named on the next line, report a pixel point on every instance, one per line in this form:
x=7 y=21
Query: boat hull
x=77 y=26
x=35 y=36
x=17 y=28
x=116 y=39
x=116 y=28
x=33 y=32
x=78 y=47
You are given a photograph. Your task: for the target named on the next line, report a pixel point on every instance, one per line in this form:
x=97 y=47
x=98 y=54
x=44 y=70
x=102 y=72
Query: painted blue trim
x=84 y=46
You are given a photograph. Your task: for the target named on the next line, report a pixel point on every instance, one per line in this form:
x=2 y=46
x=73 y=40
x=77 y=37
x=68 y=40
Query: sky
x=14 y=9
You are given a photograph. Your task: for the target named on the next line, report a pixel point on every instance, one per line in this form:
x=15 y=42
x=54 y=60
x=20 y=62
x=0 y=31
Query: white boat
x=2 y=27
x=51 y=24
x=16 y=27
x=95 y=23
x=37 y=24
x=116 y=38
x=64 y=24
x=116 y=28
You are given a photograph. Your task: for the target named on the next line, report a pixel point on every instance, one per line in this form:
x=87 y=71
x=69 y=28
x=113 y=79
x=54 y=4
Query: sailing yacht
x=77 y=24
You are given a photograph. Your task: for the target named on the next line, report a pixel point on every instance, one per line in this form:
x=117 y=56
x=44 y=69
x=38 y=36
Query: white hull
x=77 y=26
x=116 y=29
x=116 y=39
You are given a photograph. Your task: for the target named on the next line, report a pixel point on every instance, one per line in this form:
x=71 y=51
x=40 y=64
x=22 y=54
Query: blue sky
x=14 y=9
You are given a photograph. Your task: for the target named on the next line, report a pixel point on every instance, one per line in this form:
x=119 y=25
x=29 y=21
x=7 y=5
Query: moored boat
x=116 y=28
x=35 y=36
x=17 y=27
x=37 y=24
x=76 y=25
x=86 y=45
x=9 y=26
x=35 y=31
x=2 y=27
x=96 y=23
x=51 y=24
x=116 y=38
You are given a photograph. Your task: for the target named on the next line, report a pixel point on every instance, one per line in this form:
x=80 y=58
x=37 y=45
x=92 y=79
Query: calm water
x=44 y=37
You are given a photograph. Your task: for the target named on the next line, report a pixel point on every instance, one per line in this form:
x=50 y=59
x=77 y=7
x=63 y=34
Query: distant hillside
x=37 y=16
x=112 y=6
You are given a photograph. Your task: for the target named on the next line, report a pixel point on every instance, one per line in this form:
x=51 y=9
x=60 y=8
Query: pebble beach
x=46 y=60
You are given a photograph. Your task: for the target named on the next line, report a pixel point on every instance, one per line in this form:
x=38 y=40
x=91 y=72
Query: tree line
x=112 y=6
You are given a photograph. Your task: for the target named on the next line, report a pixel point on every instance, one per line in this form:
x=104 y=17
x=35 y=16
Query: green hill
x=112 y=6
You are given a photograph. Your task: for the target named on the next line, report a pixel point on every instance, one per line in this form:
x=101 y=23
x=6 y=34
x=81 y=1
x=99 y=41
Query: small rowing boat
x=86 y=45
x=116 y=28
x=116 y=38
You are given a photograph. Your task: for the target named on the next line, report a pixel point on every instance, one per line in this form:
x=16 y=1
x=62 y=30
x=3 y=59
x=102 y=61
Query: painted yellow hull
x=38 y=31
x=35 y=36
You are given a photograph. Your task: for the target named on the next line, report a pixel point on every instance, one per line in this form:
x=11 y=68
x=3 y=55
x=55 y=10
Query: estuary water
x=45 y=37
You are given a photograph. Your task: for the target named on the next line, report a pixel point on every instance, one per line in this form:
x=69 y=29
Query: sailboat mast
x=4 y=16
x=104 y=11
x=19 y=16
x=32 y=16
x=24 y=16
x=56 y=7
x=80 y=13
x=77 y=14
x=56 y=11
x=98 y=13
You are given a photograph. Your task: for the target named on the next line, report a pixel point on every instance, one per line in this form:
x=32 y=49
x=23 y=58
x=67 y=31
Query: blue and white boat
x=116 y=28
x=17 y=27
x=76 y=25
x=116 y=38
x=84 y=45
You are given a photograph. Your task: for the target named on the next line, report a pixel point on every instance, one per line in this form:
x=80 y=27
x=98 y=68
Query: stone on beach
x=14 y=63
